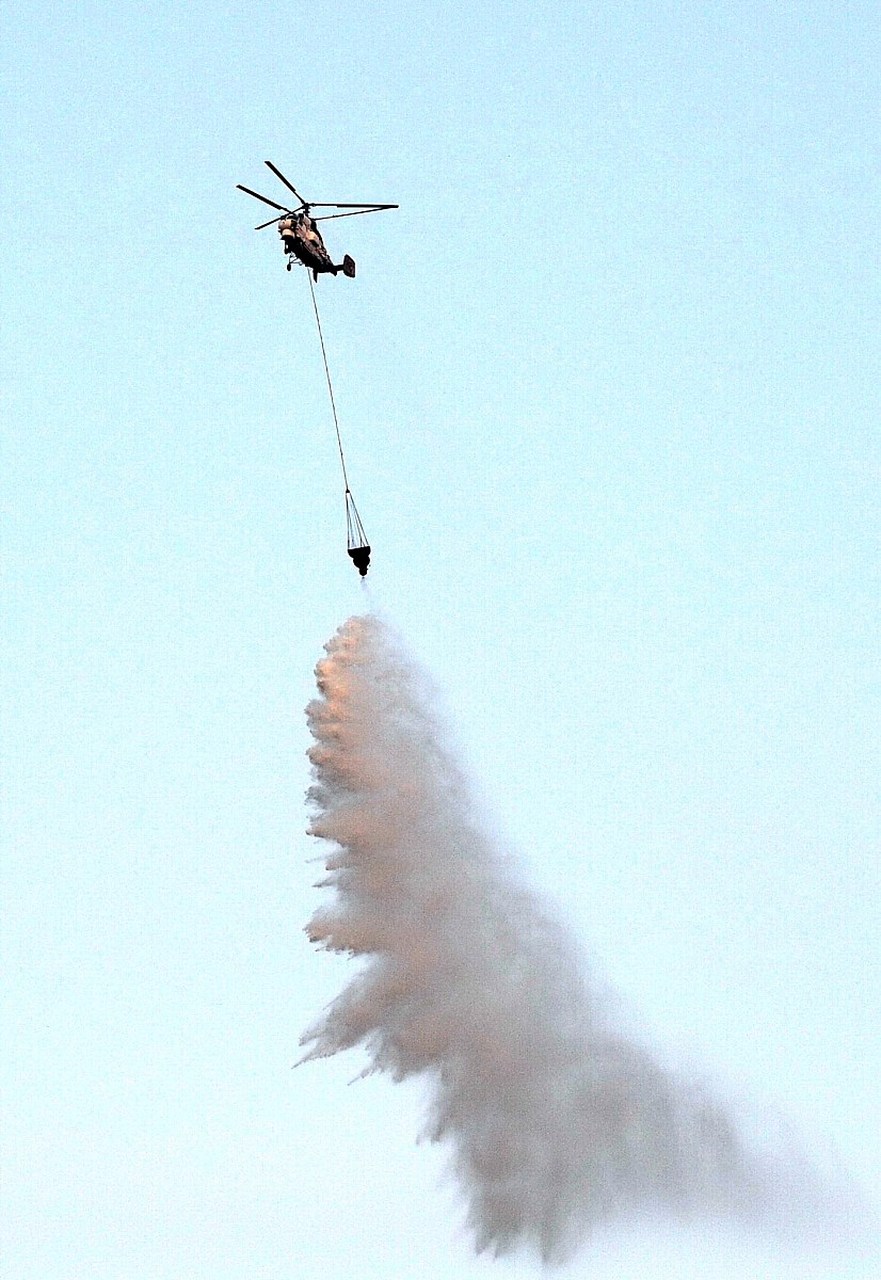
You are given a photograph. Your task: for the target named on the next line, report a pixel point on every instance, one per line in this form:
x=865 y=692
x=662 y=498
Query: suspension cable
x=329 y=383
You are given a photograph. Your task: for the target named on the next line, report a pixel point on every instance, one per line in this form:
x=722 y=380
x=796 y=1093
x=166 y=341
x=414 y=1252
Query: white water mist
x=557 y=1120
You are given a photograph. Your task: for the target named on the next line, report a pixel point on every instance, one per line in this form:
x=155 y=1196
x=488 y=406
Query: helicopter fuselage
x=301 y=237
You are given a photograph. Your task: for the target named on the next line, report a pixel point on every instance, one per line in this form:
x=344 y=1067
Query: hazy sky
x=609 y=387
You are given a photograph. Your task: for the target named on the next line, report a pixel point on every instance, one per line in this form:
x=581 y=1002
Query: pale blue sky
x=609 y=386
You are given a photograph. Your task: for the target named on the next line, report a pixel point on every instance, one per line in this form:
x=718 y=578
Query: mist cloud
x=557 y=1120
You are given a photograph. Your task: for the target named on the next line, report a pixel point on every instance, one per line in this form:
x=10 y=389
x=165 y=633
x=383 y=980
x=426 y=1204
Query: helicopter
x=300 y=237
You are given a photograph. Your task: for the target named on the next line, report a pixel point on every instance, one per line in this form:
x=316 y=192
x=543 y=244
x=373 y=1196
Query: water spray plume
x=557 y=1120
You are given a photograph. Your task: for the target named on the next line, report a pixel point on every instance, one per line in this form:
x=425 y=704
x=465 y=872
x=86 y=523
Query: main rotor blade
x=271 y=223
x=377 y=208
x=278 y=173
x=257 y=196
x=362 y=205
